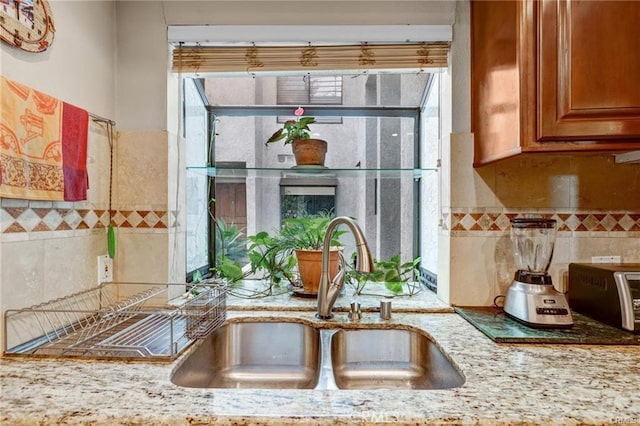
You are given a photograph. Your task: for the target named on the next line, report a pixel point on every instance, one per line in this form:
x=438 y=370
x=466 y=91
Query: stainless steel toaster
x=607 y=292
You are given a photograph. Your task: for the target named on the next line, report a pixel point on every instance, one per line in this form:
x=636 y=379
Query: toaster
x=609 y=293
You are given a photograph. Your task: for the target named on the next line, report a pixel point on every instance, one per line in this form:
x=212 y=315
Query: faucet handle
x=354 y=313
x=385 y=309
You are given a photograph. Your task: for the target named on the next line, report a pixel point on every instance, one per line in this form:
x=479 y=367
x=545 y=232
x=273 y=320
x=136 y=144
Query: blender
x=531 y=298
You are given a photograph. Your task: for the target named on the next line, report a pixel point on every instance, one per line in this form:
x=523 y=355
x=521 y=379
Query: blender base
x=537 y=305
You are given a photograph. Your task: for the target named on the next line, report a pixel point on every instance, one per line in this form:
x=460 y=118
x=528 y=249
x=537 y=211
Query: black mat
x=494 y=323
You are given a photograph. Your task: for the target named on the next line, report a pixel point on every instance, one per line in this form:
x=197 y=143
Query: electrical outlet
x=606 y=259
x=105 y=269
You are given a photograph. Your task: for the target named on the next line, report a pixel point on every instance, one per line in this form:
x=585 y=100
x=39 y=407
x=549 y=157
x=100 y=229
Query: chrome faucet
x=328 y=290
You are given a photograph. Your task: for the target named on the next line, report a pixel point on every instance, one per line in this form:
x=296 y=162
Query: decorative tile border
x=138 y=219
x=14 y=220
x=472 y=222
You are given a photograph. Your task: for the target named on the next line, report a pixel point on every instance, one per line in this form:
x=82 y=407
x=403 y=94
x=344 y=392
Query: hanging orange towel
x=36 y=132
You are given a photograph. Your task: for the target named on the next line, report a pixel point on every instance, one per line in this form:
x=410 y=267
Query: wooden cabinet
x=554 y=76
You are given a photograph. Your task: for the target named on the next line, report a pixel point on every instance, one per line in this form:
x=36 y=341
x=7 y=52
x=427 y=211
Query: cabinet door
x=499 y=92
x=589 y=70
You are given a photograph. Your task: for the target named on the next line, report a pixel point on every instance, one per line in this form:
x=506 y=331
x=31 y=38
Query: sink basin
x=390 y=359
x=291 y=355
x=257 y=355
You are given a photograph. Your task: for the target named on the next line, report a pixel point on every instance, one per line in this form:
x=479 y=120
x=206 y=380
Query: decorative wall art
x=27 y=24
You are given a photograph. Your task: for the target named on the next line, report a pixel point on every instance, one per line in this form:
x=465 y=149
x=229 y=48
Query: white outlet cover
x=105 y=269
x=606 y=259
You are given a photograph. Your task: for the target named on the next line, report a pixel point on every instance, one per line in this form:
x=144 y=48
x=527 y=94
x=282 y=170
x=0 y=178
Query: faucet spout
x=328 y=290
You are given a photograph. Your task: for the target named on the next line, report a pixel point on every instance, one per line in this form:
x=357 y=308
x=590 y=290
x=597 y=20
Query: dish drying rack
x=119 y=320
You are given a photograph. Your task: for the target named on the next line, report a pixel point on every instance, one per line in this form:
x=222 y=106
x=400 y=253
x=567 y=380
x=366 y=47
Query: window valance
x=258 y=59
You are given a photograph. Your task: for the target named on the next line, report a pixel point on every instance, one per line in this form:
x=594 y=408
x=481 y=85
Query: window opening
x=374 y=157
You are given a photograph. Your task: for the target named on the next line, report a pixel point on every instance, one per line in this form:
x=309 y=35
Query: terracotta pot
x=310 y=267
x=309 y=152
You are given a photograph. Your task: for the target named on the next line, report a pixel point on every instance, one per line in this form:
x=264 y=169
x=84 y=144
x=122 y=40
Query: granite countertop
x=505 y=384
x=282 y=299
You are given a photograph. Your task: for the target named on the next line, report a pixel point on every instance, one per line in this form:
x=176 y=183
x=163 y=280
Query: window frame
x=341 y=111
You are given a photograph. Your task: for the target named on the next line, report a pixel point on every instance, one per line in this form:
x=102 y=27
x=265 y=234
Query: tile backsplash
x=594 y=200
x=482 y=253
x=19 y=219
x=475 y=222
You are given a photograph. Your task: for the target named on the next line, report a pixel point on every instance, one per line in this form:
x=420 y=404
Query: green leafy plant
x=274 y=254
x=307 y=232
x=293 y=130
x=397 y=274
x=231 y=252
x=358 y=280
x=392 y=273
x=230 y=242
x=268 y=254
x=228 y=270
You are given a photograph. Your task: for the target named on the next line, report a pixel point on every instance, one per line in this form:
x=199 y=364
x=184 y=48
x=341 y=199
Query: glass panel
x=382 y=202
x=231 y=220
x=325 y=90
x=357 y=90
x=372 y=166
x=197 y=217
x=429 y=192
x=310 y=90
x=293 y=90
x=297 y=201
x=374 y=142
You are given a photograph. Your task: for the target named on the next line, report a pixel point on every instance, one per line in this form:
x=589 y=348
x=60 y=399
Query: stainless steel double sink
x=294 y=355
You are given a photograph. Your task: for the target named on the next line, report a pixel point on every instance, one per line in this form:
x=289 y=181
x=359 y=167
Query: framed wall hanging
x=27 y=24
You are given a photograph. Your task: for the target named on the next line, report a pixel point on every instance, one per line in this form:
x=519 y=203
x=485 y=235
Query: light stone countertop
x=282 y=300
x=505 y=384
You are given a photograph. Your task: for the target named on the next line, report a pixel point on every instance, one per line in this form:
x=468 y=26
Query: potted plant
x=305 y=236
x=307 y=151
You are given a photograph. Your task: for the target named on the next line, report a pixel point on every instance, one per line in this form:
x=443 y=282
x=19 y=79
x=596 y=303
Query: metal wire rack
x=117 y=320
x=204 y=313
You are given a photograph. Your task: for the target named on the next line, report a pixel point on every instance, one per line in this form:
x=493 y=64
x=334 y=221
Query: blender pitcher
x=533 y=241
x=531 y=298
